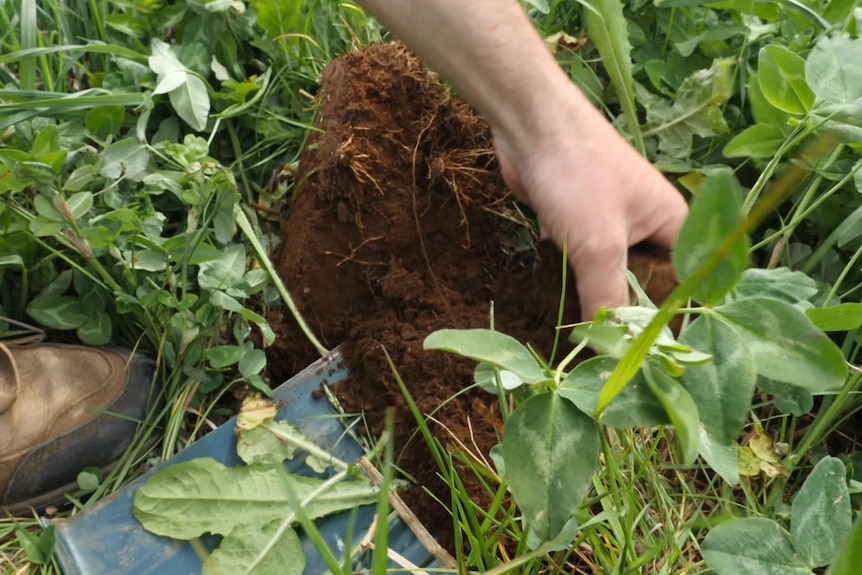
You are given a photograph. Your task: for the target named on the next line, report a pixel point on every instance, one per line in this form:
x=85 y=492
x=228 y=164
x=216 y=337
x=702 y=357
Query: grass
x=646 y=513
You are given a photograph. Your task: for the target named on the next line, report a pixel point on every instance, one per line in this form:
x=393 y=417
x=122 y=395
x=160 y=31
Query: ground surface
x=397 y=231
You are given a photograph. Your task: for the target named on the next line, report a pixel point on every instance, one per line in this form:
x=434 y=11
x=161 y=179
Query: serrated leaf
x=784 y=343
x=680 y=408
x=260 y=445
x=723 y=387
x=200 y=496
x=715 y=213
x=697 y=109
x=821 y=517
x=758 y=141
x=842 y=317
x=236 y=552
x=551 y=450
x=781 y=76
x=751 y=546
x=489 y=346
x=635 y=406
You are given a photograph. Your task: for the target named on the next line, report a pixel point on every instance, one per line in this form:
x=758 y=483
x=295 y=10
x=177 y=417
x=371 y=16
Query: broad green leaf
x=722 y=389
x=57 y=312
x=225 y=272
x=105 y=121
x=784 y=343
x=723 y=459
x=81 y=178
x=715 y=212
x=758 y=141
x=46 y=208
x=149 y=260
x=635 y=406
x=832 y=69
x=200 y=496
x=781 y=75
x=763 y=111
x=252 y=362
x=821 y=517
x=279 y=18
x=97 y=330
x=551 y=450
x=842 y=317
x=47 y=141
x=680 y=408
x=80 y=204
x=236 y=552
x=697 y=109
x=837 y=11
x=485 y=376
x=787 y=398
x=171 y=72
x=779 y=283
x=260 y=445
x=751 y=546
x=608 y=30
x=191 y=101
x=605 y=337
x=489 y=346
x=850 y=558
x=222 y=356
x=127 y=157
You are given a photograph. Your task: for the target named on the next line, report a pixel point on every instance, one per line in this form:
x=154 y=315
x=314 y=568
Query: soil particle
x=401 y=227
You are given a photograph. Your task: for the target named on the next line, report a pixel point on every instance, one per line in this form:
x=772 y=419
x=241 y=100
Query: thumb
x=599 y=275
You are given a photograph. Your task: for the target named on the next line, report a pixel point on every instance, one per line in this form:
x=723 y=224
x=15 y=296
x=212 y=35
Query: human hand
x=593 y=191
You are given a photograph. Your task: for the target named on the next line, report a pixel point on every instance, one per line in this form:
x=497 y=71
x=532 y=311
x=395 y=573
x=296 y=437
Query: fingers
x=598 y=269
x=668 y=219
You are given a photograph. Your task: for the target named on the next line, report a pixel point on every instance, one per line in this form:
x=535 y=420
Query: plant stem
x=263 y=258
x=309 y=446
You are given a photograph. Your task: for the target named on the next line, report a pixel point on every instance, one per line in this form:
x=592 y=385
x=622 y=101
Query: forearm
x=490 y=53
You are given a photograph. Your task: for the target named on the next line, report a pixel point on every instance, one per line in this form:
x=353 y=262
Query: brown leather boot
x=64 y=408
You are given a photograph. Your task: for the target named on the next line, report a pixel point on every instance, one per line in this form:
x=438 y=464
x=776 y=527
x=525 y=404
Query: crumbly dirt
x=401 y=226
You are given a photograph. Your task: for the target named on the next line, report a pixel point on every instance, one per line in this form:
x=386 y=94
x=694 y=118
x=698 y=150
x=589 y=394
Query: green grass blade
x=27 y=67
x=609 y=32
x=28 y=54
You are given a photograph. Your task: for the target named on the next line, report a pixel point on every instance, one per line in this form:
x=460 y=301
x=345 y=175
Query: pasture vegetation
x=138 y=143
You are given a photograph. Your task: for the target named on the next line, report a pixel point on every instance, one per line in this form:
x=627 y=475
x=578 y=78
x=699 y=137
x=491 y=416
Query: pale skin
x=589 y=187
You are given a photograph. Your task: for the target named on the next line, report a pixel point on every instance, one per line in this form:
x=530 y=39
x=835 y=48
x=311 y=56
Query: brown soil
x=397 y=230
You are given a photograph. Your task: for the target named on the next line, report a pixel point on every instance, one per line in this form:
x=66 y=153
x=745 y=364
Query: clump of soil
x=400 y=228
